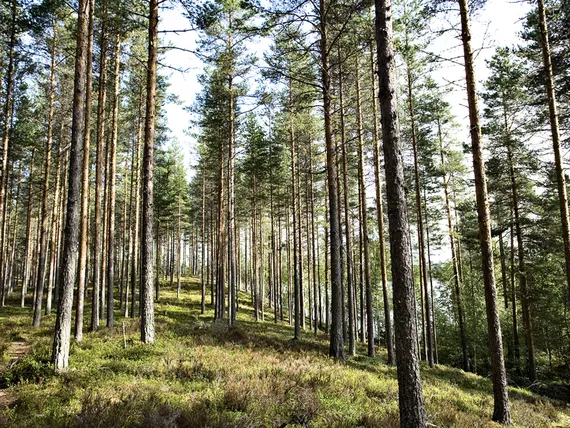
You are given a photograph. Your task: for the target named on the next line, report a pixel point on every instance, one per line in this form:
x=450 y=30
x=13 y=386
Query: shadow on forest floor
x=202 y=372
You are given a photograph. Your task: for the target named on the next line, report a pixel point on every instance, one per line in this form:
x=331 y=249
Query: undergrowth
x=204 y=373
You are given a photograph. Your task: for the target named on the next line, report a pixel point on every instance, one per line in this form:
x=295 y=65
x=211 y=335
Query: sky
x=497 y=24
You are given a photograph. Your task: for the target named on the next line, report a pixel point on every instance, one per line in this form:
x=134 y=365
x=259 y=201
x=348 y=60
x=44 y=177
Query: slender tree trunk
x=430 y=276
x=70 y=258
x=527 y=318
x=347 y=222
x=553 y=111
x=501 y=413
x=380 y=216
x=364 y=221
x=422 y=249
x=96 y=309
x=289 y=291
x=84 y=236
x=504 y=282
x=7 y=121
x=111 y=176
x=336 y=335
x=516 y=344
x=29 y=239
x=314 y=238
x=147 y=264
x=54 y=233
x=203 y=300
x=295 y=225
x=456 y=275
x=45 y=198
x=232 y=286
x=412 y=412
x=136 y=228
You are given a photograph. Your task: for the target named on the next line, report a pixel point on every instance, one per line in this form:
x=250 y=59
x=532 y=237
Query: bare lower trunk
x=136 y=228
x=111 y=176
x=347 y=223
x=147 y=261
x=364 y=222
x=501 y=412
x=336 y=335
x=84 y=237
x=454 y=260
x=6 y=130
x=412 y=412
x=70 y=255
x=96 y=309
x=380 y=215
x=553 y=111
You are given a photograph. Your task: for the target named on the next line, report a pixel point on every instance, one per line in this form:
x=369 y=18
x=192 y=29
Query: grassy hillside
x=201 y=373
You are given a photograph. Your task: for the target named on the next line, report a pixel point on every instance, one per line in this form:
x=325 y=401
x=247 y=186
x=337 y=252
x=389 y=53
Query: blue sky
x=496 y=25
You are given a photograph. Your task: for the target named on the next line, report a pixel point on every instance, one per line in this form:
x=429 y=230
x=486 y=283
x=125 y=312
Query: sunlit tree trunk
x=96 y=309
x=84 y=235
x=147 y=263
x=501 y=411
x=412 y=411
x=555 y=129
x=70 y=254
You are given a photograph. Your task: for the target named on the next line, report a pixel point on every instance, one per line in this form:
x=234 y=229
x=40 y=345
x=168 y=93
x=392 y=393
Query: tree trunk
x=111 y=176
x=347 y=222
x=232 y=286
x=40 y=280
x=147 y=262
x=553 y=111
x=96 y=310
x=295 y=225
x=84 y=236
x=7 y=121
x=203 y=299
x=380 y=216
x=525 y=304
x=422 y=248
x=136 y=228
x=501 y=412
x=454 y=260
x=336 y=336
x=516 y=344
x=364 y=221
x=68 y=271
x=412 y=412
x=29 y=239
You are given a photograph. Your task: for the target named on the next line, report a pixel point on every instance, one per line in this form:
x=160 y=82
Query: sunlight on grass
x=203 y=373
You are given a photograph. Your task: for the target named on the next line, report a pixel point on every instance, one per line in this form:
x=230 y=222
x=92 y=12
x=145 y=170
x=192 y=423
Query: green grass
x=201 y=373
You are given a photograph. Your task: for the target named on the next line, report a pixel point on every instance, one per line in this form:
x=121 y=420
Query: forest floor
x=203 y=373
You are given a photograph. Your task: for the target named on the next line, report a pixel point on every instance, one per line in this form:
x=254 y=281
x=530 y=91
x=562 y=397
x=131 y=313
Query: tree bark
x=380 y=215
x=412 y=412
x=6 y=130
x=336 y=335
x=98 y=229
x=422 y=248
x=70 y=255
x=40 y=280
x=112 y=177
x=364 y=221
x=347 y=222
x=525 y=304
x=136 y=225
x=553 y=112
x=147 y=262
x=501 y=413
x=456 y=276
x=84 y=235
